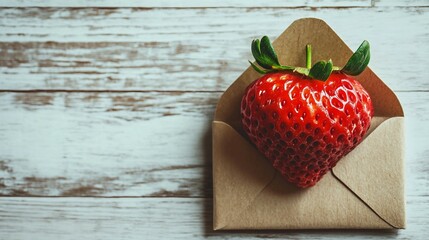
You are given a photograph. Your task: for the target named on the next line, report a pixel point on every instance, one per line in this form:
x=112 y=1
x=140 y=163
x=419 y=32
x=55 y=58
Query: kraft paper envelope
x=364 y=190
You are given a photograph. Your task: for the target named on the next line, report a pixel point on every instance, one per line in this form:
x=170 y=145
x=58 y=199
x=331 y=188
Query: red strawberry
x=304 y=120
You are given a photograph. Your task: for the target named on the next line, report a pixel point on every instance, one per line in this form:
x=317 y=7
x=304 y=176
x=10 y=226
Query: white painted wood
x=157 y=218
x=108 y=144
x=224 y=24
x=136 y=144
x=184 y=4
x=187 y=49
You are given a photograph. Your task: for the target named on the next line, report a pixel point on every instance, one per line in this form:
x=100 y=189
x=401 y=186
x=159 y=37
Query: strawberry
x=304 y=120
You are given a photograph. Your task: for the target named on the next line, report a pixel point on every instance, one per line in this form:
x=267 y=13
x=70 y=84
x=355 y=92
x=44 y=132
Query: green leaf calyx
x=358 y=61
x=268 y=62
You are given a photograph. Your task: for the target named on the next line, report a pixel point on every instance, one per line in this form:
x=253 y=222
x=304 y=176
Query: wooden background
x=106 y=109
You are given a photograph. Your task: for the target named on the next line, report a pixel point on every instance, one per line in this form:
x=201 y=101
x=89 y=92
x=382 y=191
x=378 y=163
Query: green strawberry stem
x=308 y=56
x=266 y=57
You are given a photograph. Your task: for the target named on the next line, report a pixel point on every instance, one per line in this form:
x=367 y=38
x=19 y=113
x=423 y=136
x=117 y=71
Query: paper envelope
x=365 y=189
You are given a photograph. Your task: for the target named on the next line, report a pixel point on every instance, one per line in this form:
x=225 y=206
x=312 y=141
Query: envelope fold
x=376 y=176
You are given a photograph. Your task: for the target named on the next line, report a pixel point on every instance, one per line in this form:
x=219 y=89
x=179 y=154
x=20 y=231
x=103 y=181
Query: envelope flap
x=290 y=48
x=235 y=162
x=375 y=175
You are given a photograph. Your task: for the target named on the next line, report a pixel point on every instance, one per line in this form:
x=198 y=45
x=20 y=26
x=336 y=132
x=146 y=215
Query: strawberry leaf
x=264 y=53
x=358 y=61
x=256 y=52
x=321 y=70
x=268 y=52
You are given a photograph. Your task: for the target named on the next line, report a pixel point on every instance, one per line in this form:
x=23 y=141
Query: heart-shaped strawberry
x=304 y=120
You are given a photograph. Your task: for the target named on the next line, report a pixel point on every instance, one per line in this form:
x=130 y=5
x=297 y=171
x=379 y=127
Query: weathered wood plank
x=106 y=144
x=166 y=25
x=185 y=4
x=187 y=49
x=136 y=144
x=127 y=66
x=158 y=218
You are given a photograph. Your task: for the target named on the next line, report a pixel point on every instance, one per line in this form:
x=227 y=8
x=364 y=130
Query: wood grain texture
x=184 y=4
x=136 y=144
x=187 y=49
x=156 y=218
x=106 y=144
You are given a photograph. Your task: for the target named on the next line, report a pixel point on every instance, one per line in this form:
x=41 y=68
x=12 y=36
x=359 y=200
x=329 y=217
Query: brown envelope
x=364 y=190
